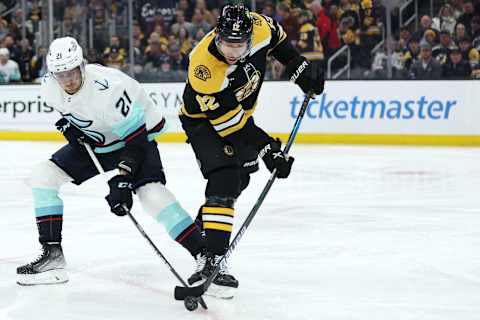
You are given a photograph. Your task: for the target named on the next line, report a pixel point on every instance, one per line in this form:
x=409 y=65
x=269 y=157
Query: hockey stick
x=144 y=234
x=181 y=293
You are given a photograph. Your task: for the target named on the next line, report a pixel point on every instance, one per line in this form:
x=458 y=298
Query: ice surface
x=355 y=233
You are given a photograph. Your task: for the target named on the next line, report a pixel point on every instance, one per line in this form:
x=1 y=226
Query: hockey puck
x=191 y=303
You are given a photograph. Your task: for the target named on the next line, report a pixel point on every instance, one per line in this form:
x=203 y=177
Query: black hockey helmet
x=235 y=23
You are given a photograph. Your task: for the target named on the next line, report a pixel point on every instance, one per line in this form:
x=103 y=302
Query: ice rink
x=387 y=233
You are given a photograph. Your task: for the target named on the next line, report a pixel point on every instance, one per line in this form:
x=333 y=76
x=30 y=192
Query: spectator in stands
x=38 y=64
x=178 y=62
x=198 y=36
x=456 y=67
x=327 y=30
x=180 y=22
x=3 y=28
x=114 y=58
x=93 y=56
x=119 y=53
x=9 y=71
x=379 y=65
x=14 y=51
x=166 y=73
x=268 y=9
x=184 y=5
x=469 y=53
x=404 y=37
x=154 y=53
x=139 y=39
x=460 y=32
x=426 y=68
x=441 y=51
x=35 y=15
x=466 y=17
x=425 y=24
x=288 y=21
x=185 y=41
x=349 y=10
x=207 y=15
x=26 y=55
x=445 y=20
x=309 y=44
x=16 y=26
x=457 y=7
x=198 y=22
x=430 y=36
x=475 y=25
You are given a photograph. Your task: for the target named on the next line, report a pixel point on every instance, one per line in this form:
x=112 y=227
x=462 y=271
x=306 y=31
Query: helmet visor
x=233 y=50
x=70 y=80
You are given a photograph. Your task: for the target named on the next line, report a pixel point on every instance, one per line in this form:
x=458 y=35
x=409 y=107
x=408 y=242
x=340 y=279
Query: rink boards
x=348 y=112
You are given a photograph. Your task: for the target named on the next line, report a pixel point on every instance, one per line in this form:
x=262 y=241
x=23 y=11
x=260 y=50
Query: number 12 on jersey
x=123 y=105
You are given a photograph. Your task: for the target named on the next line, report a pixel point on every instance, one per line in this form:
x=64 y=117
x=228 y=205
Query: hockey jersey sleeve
x=129 y=122
x=280 y=46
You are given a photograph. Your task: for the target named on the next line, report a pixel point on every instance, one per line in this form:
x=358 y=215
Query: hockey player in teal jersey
x=110 y=111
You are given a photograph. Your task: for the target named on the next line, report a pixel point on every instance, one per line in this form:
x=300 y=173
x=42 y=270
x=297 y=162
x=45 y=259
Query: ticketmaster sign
x=387 y=112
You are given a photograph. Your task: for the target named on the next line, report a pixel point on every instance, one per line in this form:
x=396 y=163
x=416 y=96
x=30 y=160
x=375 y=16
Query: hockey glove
x=303 y=73
x=121 y=187
x=274 y=158
x=74 y=136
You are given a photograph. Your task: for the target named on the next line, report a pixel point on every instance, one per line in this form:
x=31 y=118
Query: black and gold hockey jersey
x=224 y=94
x=309 y=43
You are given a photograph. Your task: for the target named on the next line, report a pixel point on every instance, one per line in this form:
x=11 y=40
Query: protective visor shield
x=71 y=80
x=233 y=50
x=68 y=76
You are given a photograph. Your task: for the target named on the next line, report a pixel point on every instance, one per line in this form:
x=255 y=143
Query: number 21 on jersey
x=124 y=103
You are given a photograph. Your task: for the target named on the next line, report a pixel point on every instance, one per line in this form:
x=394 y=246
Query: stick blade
x=182 y=292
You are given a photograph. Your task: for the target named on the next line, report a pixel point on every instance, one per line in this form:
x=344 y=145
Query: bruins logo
x=228 y=149
x=202 y=72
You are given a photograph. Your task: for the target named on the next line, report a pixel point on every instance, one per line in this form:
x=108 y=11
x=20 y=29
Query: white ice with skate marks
x=354 y=233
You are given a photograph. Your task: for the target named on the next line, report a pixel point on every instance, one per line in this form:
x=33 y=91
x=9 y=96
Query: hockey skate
x=224 y=284
x=48 y=268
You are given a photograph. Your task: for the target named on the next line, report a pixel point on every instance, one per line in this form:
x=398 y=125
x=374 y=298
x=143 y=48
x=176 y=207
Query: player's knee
x=161 y=204
x=47 y=175
x=154 y=197
x=225 y=182
x=220 y=201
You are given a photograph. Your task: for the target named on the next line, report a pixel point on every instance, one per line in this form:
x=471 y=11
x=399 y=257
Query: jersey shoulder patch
x=262 y=29
x=206 y=73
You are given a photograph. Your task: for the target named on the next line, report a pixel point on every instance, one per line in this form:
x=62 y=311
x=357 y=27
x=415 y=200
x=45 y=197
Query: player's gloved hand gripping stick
x=191 y=293
x=102 y=172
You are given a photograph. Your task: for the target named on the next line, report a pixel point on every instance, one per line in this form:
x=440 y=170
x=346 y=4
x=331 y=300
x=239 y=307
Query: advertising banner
x=411 y=108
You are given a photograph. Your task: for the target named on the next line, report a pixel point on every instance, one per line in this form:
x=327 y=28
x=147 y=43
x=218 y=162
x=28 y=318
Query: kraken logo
x=202 y=72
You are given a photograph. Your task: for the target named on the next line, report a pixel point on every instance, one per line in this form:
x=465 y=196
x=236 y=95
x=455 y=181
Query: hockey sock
x=217 y=223
x=49 y=214
x=181 y=228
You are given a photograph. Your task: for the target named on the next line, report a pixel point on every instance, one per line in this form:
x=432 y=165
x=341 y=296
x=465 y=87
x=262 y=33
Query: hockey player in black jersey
x=225 y=73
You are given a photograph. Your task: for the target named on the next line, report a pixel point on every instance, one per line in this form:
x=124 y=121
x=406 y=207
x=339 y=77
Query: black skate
x=200 y=259
x=224 y=284
x=48 y=268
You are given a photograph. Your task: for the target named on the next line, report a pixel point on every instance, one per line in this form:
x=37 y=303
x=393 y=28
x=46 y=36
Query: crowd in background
x=164 y=32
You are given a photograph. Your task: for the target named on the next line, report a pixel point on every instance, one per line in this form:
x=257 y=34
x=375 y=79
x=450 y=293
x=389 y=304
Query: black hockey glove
x=74 y=136
x=274 y=158
x=308 y=78
x=121 y=187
